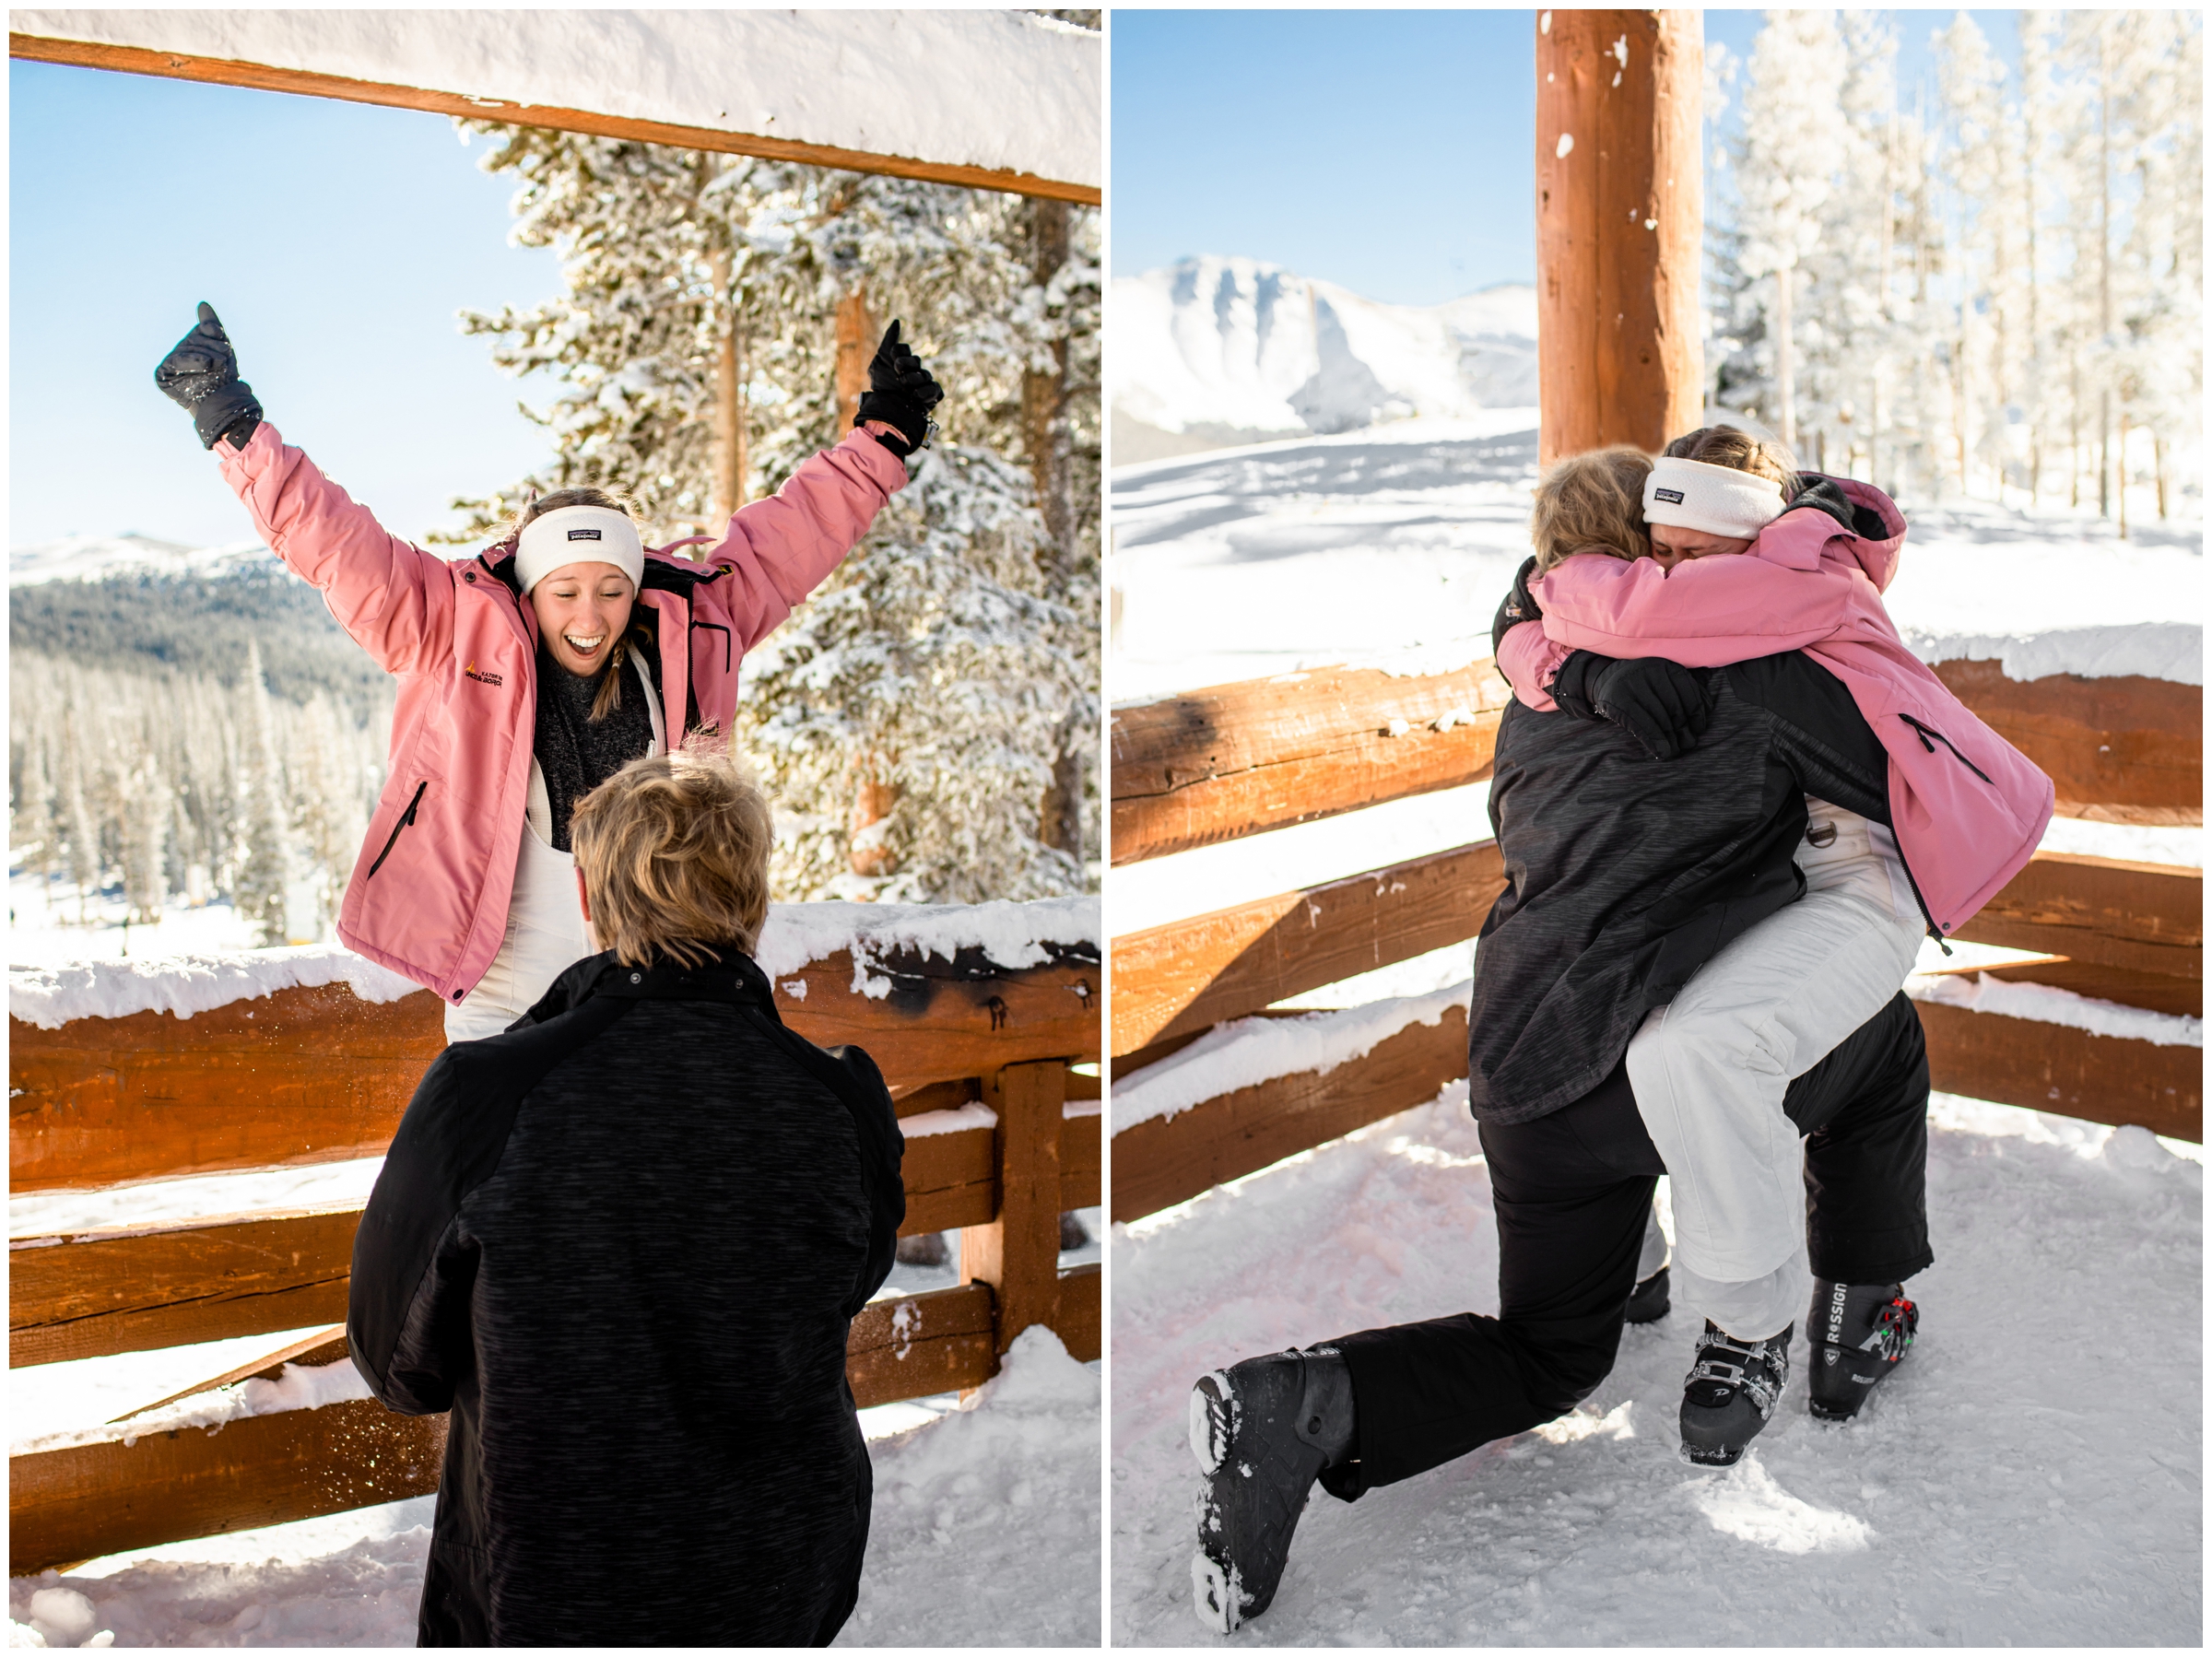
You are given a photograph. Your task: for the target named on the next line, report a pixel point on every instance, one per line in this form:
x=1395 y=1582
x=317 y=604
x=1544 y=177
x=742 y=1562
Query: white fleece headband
x=1693 y=494
x=577 y=535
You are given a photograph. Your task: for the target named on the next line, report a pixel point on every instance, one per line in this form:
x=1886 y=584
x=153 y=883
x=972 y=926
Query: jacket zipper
x=407 y=820
x=715 y=626
x=1927 y=731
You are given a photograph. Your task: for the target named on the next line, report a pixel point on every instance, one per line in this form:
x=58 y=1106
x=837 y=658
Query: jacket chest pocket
x=1927 y=731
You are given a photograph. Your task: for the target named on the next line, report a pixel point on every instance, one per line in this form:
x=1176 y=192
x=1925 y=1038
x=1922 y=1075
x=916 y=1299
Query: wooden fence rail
x=313 y=1074
x=1214 y=765
x=1194 y=770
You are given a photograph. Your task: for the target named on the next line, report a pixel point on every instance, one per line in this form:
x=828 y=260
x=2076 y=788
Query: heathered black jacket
x=1627 y=873
x=623 y=1243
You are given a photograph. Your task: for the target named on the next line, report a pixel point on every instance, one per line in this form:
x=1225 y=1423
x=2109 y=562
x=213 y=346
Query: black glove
x=201 y=373
x=1662 y=704
x=1518 y=607
x=901 y=393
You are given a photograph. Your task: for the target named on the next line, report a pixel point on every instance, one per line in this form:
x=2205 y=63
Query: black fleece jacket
x=1627 y=873
x=623 y=1243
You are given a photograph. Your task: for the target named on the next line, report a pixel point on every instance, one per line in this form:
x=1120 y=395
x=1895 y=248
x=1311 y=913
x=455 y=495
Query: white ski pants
x=1710 y=1069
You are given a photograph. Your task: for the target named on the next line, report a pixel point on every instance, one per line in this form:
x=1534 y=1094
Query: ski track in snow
x=984 y=1531
x=2031 y=1475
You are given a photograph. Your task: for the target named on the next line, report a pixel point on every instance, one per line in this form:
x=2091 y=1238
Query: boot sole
x=1847 y=1409
x=1213 y=1596
x=1213 y=1421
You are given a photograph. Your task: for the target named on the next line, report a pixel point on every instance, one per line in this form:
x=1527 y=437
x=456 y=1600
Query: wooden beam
x=2122 y=750
x=308 y=1075
x=2145 y=917
x=91 y=1500
x=1619 y=226
x=1214 y=764
x=1178 y=979
x=1079 y=1318
x=91 y=1294
x=2068 y=1072
x=170 y=65
x=1159 y=1163
x=917 y=1344
x=1082 y=1162
x=1017 y=1252
x=310 y=1352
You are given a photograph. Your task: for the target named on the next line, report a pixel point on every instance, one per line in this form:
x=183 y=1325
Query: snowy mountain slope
x=98 y=558
x=1995 y=1492
x=1235 y=343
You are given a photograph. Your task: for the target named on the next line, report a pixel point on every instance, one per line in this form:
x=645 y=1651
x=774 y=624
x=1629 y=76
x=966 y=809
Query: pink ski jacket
x=1968 y=808
x=429 y=891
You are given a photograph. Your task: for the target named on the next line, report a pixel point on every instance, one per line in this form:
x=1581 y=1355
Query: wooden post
x=1620 y=220
x=729 y=415
x=1018 y=1253
x=856 y=337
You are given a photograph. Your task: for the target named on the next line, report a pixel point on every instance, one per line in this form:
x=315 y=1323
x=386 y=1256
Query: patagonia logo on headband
x=1672 y=495
x=584 y=534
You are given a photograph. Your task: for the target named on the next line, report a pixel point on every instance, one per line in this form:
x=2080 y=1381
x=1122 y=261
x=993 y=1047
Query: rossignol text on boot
x=1860 y=1331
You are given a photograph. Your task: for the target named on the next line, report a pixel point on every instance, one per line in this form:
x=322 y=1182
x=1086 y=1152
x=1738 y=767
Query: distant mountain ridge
x=1214 y=349
x=141 y=605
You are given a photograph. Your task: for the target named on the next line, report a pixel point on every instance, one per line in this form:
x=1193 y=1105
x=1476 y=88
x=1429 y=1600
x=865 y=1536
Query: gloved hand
x=1520 y=606
x=901 y=393
x=201 y=373
x=1662 y=704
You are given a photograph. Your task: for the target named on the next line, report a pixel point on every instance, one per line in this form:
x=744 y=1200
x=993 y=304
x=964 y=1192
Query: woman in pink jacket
x=535 y=670
x=1741 y=569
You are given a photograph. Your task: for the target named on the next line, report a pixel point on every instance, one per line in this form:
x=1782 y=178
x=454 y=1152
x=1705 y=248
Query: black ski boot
x=1651 y=1301
x=1261 y=1431
x=1730 y=1393
x=1859 y=1332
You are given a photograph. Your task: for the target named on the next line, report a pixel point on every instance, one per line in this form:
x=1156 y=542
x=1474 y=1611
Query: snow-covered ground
x=2031 y=1475
x=2018 y=1482
x=1391 y=547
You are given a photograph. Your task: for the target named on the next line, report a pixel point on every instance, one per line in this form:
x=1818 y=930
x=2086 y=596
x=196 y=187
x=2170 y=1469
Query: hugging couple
x=1730 y=801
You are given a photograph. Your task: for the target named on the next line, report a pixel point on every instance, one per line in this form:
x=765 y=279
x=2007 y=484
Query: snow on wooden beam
x=1178 y=979
x=1218 y=764
x=1170 y=1160
x=1619 y=226
x=989 y=99
x=311 y=1074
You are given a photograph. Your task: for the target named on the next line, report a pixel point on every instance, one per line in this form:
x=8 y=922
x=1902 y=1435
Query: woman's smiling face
x=582 y=610
x=1671 y=543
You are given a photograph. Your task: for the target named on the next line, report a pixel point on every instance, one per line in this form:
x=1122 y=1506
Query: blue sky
x=336 y=240
x=1389 y=151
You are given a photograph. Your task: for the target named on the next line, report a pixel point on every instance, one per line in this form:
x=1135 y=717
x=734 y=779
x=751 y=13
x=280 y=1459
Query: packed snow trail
x=2031 y=1475
x=984 y=1531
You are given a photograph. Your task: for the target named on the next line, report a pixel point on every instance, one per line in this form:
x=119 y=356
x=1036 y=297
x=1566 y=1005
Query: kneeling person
x=623 y=1242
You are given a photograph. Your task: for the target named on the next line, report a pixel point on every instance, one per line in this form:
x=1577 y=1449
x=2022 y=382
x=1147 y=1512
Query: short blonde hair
x=1592 y=502
x=674 y=850
x=1737 y=449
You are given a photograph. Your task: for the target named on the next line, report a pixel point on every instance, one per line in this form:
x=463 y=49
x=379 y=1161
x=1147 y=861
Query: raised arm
x=780 y=550
x=395 y=599
x=1706 y=612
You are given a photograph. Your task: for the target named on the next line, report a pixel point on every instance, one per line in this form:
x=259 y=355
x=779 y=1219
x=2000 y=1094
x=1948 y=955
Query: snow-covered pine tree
x=264 y=860
x=934 y=701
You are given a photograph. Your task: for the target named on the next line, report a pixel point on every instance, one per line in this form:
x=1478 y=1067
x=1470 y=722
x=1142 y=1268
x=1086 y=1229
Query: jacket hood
x=1878 y=540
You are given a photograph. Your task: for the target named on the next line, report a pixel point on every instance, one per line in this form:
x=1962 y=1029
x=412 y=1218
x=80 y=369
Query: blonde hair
x=1740 y=451
x=674 y=850
x=1592 y=502
x=609 y=697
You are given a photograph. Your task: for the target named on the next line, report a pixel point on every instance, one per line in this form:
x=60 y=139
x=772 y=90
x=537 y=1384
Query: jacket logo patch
x=584 y=534
x=482 y=678
x=1672 y=495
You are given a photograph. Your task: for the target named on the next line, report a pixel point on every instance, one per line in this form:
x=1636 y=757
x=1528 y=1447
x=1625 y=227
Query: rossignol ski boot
x=1859 y=1333
x=1730 y=1393
x=1261 y=1431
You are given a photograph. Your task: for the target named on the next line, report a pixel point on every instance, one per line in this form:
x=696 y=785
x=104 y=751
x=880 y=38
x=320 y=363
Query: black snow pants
x=1571 y=1191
